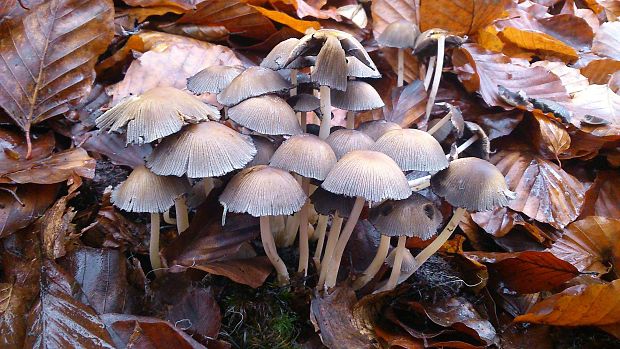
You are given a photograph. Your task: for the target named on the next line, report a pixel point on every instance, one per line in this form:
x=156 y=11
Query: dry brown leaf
x=603 y=196
x=58 y=167
x=571 y=78
x=407 y=105
x=552 y=137
x=282 y=18
x=180 y=4
x=607 y=40
x=543 y=45
x=56 y=227
x=600 y=71
x=248 y=271
x=460 y=17
x=602 y=103
x=36 y=199
x=140 y=14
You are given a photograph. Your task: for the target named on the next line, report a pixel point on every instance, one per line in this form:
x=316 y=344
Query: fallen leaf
x=13 y=305
x=248 y=271
x=141 y=14
x=607 y=40
x=282 y=18
x=385 y=12
x=460 y=17
x=181 y=4
x=57 y=231
x=602 y=103
x=571 y=78
x=551 y=137
x=197 y=313
x=600 y=71
x=113 y=146
x=543 y=45
x=36 y=199
x=203 y=32
x=603 y=196
x=13 y=146
x=408 y=104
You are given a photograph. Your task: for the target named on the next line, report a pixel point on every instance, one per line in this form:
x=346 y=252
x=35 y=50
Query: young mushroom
x=346 y=140
x=304 y=103
x=277 y=57
x=359 y=70
x=401 y=35
x=253 y=82
x=359 y=96
x=408 y=264
x=377 y=128
x=213 y=79
x=268 y=115
x=367 y=176
x=312 y=158
x=144 y=191
x=264 y=191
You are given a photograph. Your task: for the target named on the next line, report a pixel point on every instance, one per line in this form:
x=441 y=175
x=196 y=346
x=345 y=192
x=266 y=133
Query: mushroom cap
x=276 y=58
x=426 y=43
x=207 y=149
x=304 y=102
x=473 y=184
x=415 y=216
x=305 y=154
x=254 y=81
x=157 y=113
x=400 y=34
x=264 y=150
x=213 y=79
x=345 y=140
x=408 y=263
x=144 y=191
x=412 y=150
x=377 y=128
x=326 y=203
x=269 y=115
x=263 y=191
x=369 y=174
x=443 y=132
x=330 y=68
x=481 y=148
x=357 y=69
x=359 y=96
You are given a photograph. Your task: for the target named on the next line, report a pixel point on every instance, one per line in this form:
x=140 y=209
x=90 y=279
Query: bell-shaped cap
x=254 y=81
x=359 y=96
x=276 y=58
x=326 y=203
x=426 y=43
x=305 y=154
x=345 y=140
x=473 y=184
x=412 y=150
x=399 y=34
x=264 y=151
x=213 y=79
x=304 y=102
x=330 y=68
x=415 y=216
x=263 y=191
x=408 y=263
x=207 y=149
x=155 y=114
x=481 y=148
x=377 y=128
x=144 y=191
x=357 y=69
x=269 y=115
x=369 y=174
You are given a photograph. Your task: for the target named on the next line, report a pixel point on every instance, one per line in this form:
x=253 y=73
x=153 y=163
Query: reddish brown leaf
x=248 y=271
x=197 y=313
x=607 y=40
x=14 y=149
x=408 y=105
x=13 y=305
x=571 y=78
x=181 y=4
x=552 y=137
x=36 y=199
x=57 y=231
x=603 y=196
x=600 y=71
x=461 y=17
x=600 y=102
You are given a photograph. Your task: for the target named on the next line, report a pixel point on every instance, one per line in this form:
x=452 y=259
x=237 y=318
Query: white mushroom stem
x=401 y=67
x=334 y=264
x=440 y=123
x=303 y=121
x=269 y=246
x=180 y=208
x=304 y=248
x=420 y=183
x=168 y=219
x=208 y=184
x=416 y=4
x=441 y=43
x=467 y=143
x=375 y=265
x=350 y=119
x=292 y=225
x=154 y=245
x=225 y=112
x=321 y=228
x=293 y=90
x=429 y=72
x=332 y=240
x=326 y=109
x=398 y=262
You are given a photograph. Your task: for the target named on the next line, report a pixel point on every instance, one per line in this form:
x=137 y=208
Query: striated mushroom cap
x=326 y=203
x=157 y=113
x=304 y=102
x=415 y=216
x=345 y=140
x=377 y=128
x=213 y=79
x=264 y=151
x=369 y=174
x=473 y=184
x=263 y=191
x=254 y=81
x=269 y=115
x=399 y=34
x=278 y=55
x=412 y=150
x=357 y=69
x=426 y=42
x=330 y=68
x=144 y=191
x=359 y=96
x=208 y=149
x=305 y=154
x=408 y=264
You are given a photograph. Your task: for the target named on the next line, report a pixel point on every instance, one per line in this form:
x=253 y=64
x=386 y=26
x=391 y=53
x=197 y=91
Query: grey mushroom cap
x=253 y=82
x=330 y=68
x=408 y=264
x=377 y=128
x=399 y=34
x=412 y=150
x=213 y=79
x=369 y=174
x=426 y=42
x=443 y=132
x=264 y=150
x=482 y=146
x=263 y=191
x=473 y=184
x=326 y=203
x=359 y=96
x=155 y=114
x=305 y=154
x=207 y=149
x=357 y=69
x=304 y=102
x=415 y=216
x=269 y=115
x=345 y=140
x=278 y=55
x=144 y=191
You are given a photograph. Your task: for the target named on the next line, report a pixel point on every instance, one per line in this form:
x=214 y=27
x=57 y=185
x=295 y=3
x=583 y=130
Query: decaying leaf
x=407 y=105
x=35 y=199
x=597 y=111
x=197 y=313
x=56 y=168
x=248 y=271
x=461 y=16
x=13 y=305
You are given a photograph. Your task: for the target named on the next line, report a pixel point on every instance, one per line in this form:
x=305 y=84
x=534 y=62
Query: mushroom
x=455 y=117
x=268 y=115
x=416 y=216
x=213 y=79
x=359 y=96
x=264 y=150
x=264 y=191
x=346 y=140
x=407 y=265
x=367 y=176
x=377 y=128
x=357 y=69
x=277 y=57
x=157 y=113
x=476 y=141
x=253 y=82
x=304 y=103
x=144 y=191
x=401 y=35
x=413 y=150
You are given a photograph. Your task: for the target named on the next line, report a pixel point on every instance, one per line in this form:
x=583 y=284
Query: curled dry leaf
x=35 y=198
x=57 y=231
x=552 y=138
x=181 y=4
x=408 y=104
x=603 y=196
x=596 y=110
x=112 y=230
x=56 y=168
x=248 y=271
x=600 y=71
x=460 y=17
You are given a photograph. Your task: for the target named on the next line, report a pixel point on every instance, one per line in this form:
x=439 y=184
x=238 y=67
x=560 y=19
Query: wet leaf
x=461 y=16
x=13 y=305
x=36 y=199
x=197 y=313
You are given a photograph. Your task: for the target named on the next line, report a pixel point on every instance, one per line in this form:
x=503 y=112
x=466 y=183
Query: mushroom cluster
x=286 y=175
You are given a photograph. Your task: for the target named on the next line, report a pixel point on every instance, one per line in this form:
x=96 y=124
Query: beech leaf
x=460 y=17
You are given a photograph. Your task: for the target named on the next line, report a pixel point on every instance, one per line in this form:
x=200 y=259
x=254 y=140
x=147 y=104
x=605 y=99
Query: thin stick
x=332 y=240
x=440 y=123
x=168 y=219
x=154 y=245
x=326 y=109
x=375 y=265
x=467 y=143
x=304 y=249
x=441 y=43
x=445 y=234
x=420 y=183
x=429 y=72
x=401 y=67
x=293 y=91
x=269 y=246
x=321 y=228
x=350 y=119
x=180 y=208
x=398 y=262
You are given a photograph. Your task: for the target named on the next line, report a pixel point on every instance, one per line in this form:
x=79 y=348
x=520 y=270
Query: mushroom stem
x=180 y=208
x=321 y=228
x=416 y=4
x=398 y=262
x=208 y=186
x=304 y=248
x=292 y=225
x=429 y=72
x=269 y=246
x=420 y=183
x=401 y=67
x=440 y=123
x=225 y=112
x=154 y=245
x=293 y=91
x=350 y=119
x=332 y=240
x=168 y=219
x=441 y=43
x=334 y=264
x=445 y=234
x=303 y=121
x=326 y=109
x=467 y=143
x=375 y=265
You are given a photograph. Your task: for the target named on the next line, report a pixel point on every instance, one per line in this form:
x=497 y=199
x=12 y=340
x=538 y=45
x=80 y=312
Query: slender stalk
x=321 y=228
x=445 y=234
x=293 y=91
x=350 y=119
x=334 y=265
x=168 y=219
x=225 y=112
x=326 y=109
x=438 y=125
x=208 y=184
x=180 y=208
x=441 y=43
x=467 y=143
x=303 y=121
x=401 y=67
x=375 y=265
x=154 y=245
x=398 y=262
x=332 y=240
x=429 y=72
x=269 y=246
x=278 y=226
x=416 y=4
x=304 y=248
x=28 y=144
x=420 y=183
x=292 y=225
